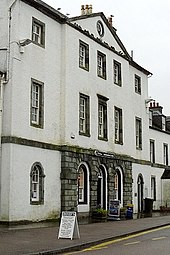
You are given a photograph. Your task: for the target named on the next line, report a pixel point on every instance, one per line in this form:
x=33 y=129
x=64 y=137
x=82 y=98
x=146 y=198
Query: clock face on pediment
x=100 y=28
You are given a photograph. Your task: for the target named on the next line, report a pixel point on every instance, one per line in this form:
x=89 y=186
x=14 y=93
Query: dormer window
x=150 y=118
x=163 y=123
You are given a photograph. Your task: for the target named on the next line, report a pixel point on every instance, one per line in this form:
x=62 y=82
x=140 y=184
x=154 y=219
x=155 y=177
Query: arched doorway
x=140 y=185
x=83 y=187
x=118 y=180
x=102 y=188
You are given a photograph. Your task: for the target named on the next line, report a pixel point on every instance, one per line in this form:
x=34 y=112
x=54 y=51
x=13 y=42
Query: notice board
x=69 y=225
x=114 y=208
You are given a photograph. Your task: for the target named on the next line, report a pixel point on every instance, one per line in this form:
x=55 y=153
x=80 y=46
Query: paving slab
x=43 y=239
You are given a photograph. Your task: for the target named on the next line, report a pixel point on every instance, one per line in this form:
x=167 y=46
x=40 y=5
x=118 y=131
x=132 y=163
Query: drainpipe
x=2 y=82
x=9 y=39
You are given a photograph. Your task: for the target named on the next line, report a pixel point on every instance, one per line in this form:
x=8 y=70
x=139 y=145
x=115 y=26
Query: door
x=101 y=188
x=140 y=193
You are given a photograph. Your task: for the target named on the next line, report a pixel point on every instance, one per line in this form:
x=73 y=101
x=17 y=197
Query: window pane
x=82 y=56
x=81 y=185
x=35 y=108
x=138 y=134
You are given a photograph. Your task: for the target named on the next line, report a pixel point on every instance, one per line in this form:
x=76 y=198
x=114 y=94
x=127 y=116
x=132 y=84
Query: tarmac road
x=152 y=242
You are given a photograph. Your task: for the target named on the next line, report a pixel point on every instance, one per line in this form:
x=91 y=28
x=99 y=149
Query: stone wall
x=70 y=161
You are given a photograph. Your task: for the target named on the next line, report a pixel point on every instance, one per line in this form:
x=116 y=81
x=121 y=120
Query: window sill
x=38 y=44
x=36 y=126
x=36 y=202
x=84 y=68
x=103 y=77
x=84 y=134
x=137 y=92
x=118 y=84
x=138 y=148
x=103 y=139
x=117 y=142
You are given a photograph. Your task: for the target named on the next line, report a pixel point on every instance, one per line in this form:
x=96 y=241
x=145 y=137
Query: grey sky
x=144 y=27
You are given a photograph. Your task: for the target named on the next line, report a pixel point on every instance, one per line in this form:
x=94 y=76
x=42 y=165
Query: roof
x=166 y=173
x=56 y=15
x=47 y=10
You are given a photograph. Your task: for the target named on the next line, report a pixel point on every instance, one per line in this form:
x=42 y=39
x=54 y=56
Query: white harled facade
x=75 y=123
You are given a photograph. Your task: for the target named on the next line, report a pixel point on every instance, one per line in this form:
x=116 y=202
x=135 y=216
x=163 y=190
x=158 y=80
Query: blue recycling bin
x=129 y=212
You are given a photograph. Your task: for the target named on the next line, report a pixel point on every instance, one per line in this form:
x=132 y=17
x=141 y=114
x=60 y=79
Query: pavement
x=42 y=239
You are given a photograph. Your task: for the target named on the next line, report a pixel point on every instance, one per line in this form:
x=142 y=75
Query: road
x=151 y=242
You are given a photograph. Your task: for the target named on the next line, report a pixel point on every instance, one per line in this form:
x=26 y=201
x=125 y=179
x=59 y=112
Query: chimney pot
x=87 y=9
x=151 y=104
x=90 y=9
x=82 y=10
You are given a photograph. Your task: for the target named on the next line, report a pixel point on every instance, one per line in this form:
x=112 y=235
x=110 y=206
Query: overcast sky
x=144 y=27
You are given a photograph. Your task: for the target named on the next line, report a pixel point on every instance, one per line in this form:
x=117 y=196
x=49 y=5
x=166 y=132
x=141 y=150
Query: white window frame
x=35 y=103
x=81 y=186
x=82 y=55
x=152 y=151
x=82 y=114
x=83 y=205
x=101 y=120
x=37 y=184
x=137 y=84
x=138 y=133
x=117 y=72
x=165 y=153
x=117 y=125
x=100 y=65
x=37 y=33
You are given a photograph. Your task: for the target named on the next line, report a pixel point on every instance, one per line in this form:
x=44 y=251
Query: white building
x=74 y=118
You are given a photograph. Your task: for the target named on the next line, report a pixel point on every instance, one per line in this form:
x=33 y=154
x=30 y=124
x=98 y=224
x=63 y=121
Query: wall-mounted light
x=23 y=43
x=72 y=135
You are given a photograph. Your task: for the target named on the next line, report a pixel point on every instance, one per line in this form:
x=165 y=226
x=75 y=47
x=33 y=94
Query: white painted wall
x=57 y=66
x=43 y=65
x=146 y=172
x=38 y=63
x=160 y=138
x=78 y=80
x=15 y=197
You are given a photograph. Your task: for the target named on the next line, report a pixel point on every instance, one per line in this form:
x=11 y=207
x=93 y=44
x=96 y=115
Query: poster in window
x=114 y=208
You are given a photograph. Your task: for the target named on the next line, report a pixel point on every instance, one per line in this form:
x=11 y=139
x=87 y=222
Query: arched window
x=37 y=184
x=82 y=185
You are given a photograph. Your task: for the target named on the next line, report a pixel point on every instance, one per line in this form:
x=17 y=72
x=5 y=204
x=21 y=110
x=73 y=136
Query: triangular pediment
x=97 y=24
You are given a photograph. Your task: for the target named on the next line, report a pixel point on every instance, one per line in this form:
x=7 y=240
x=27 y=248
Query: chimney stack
x=86 y=9
x=110 y=20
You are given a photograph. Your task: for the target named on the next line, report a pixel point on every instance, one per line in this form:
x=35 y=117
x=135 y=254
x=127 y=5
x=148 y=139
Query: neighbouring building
x=76 y=127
